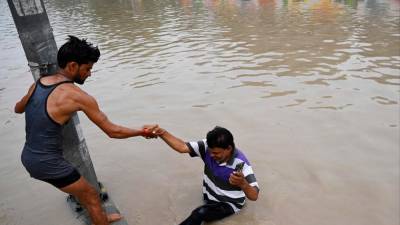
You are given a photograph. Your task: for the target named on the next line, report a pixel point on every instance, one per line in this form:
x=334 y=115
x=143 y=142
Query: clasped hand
x=152 y=131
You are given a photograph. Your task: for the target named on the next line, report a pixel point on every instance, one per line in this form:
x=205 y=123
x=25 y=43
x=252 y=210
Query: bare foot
x=113 y=217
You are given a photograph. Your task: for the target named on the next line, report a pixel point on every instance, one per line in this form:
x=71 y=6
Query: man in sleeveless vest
x=228 y=177
x=48 y=105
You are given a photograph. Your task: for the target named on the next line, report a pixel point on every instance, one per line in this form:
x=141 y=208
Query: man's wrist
x=162 y=133
x=245 y=185
x=142 y=132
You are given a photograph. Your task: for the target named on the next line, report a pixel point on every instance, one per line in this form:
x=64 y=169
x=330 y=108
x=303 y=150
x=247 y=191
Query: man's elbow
x=18 y=109
x=113 y=133
x=183 y=148
x=253 y=198
x=254 y=195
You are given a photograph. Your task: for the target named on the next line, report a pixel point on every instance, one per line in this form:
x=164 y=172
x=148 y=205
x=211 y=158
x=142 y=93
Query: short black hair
x=77 y=50
x=220 y=137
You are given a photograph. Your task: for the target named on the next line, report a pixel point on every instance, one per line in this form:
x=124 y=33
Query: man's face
x=83 y=71
x=220 y=154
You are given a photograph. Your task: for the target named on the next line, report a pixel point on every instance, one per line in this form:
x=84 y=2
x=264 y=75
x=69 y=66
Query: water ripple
x=242 y=45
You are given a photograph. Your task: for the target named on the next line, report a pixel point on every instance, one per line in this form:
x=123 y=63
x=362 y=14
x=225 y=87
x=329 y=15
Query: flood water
x=310 y=90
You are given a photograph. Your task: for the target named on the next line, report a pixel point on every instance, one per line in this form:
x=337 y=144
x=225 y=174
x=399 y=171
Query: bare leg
x=89 y=198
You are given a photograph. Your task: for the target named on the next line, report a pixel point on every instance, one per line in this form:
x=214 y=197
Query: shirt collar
x=232 y=158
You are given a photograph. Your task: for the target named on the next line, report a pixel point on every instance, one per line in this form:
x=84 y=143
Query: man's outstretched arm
x=90 y=107
x=175 y=143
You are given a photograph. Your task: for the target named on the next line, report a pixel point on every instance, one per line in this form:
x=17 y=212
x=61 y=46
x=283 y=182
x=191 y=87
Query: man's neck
x=65 y=74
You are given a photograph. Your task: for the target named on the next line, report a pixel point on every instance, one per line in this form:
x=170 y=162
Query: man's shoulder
x=71 y=90
x=69 y=93
x=241 y=156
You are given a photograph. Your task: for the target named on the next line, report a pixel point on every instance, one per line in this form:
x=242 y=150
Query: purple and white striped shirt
x=216 y=186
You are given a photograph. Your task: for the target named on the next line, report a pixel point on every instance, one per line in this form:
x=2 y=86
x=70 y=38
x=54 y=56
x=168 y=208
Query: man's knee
x=195 y=218
x=199 y=212
x=216 y=212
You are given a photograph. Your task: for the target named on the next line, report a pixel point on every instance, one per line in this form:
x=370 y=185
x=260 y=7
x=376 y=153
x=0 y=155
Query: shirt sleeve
x=197 y=148
x=250 y=177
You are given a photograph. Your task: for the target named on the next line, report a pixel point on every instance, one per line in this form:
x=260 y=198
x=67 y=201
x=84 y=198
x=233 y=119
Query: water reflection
x=278 y=94
x=383 y=100
x=331 y=107
x=298 y=102
x=322 y=81
x=238 y=44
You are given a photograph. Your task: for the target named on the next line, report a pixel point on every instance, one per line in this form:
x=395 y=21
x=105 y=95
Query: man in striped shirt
x=228 y=177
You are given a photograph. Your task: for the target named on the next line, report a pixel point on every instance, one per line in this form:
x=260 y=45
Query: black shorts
x=64 y=181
